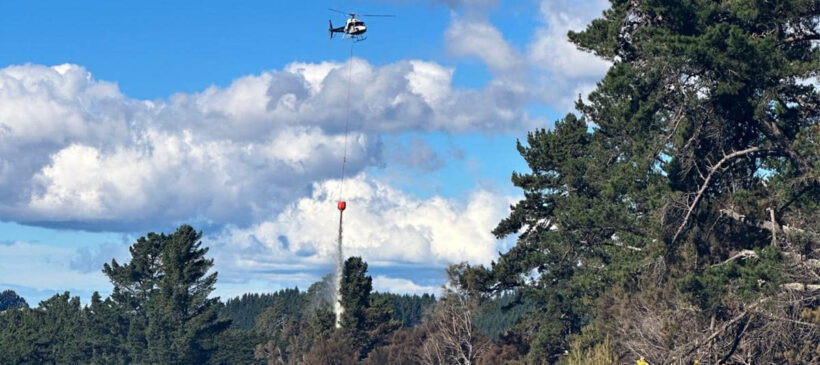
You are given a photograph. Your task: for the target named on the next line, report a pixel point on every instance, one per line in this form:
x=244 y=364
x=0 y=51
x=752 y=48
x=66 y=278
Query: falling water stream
x=337 y=302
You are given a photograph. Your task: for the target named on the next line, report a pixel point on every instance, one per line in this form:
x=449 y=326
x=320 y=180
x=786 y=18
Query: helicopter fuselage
x=355 y=27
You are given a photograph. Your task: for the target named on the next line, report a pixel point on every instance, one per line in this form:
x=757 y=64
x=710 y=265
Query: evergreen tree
x=9 y=300
x=134 y=284
x=235 y=347
x=243 y=311
x=691 y=178
x=366 y=324
x=19 y=338
x=355 y=290
x=105 y=329
x=409 y=310
x=165 y=290
x=53 y=333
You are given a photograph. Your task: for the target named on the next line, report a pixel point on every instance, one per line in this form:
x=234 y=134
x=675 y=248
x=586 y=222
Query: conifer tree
x=10 y=300
x=355 y=290
x=164 y=290
x=690 y=179
x=366 y=324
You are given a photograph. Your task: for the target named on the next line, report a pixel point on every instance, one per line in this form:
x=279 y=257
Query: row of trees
x=161 y=312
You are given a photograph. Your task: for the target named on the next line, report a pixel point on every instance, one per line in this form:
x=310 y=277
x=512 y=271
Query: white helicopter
x=353 y=28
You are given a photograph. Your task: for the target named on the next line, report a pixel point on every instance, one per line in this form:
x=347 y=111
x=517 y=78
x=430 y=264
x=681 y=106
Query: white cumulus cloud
x=76 y=152
x=381 y=224
x=383 y=283
x=565 y=71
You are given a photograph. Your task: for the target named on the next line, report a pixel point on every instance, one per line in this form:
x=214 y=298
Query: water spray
x=337 y=305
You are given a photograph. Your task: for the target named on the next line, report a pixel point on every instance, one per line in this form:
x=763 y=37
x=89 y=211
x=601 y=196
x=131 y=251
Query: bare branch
x=712 y=170
x=801 y=287
x=741 y=255
x=802 y=38
x=775 y=226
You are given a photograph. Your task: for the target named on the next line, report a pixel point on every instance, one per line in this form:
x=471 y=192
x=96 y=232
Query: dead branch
x=736 y=341
x=740 y=255
x=769 y=226
x=802 y=38
x=775 y=227
x=712 y=171
x=801 y=286
x=697 y=344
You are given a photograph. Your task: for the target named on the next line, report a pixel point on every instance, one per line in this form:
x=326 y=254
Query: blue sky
x=120 y=118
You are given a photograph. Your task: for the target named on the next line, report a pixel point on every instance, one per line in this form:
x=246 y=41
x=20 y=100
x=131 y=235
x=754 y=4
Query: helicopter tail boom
x=332 y=30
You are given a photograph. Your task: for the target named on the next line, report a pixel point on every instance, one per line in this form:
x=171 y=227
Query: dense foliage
x=161 y=312
x=678 y=213
x=409 y=310
x=242 y=311
x=10 y=300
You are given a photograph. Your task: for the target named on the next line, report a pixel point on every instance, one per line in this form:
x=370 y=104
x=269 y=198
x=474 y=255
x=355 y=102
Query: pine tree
x=134 y=284
x=692 y=178
x=105 y=329
x=366 y=323
x=165 y=289
x=355 y=290
x=10 y=300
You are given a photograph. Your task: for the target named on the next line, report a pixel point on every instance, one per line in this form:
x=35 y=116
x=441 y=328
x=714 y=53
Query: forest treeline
x=674 y=217
x=161 y=312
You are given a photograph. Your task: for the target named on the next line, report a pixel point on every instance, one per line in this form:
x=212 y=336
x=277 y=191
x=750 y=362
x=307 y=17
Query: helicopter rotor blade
x=339 y=11
x=378 y=15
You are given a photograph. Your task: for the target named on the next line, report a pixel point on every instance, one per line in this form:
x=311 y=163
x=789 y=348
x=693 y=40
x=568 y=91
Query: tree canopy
x=10 y=300
x=689 y=177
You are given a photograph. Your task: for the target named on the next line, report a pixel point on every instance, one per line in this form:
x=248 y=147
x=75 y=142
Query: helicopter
x=354 y=28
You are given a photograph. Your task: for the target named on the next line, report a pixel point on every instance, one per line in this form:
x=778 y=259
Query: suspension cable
x=347 y=120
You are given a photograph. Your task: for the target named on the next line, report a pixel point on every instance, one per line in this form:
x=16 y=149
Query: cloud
x=43 y=267
x=417 y=154
x=87 y=260
x=255 y=160
x=550 y=71
x=565 y=70
x=482 y=39
x=75 y=152
x=409 y=95
x=383 y=284
x=174 y=177
x=382 y=225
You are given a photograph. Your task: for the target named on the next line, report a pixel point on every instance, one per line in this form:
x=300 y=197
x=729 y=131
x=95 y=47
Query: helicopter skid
x=356 y=38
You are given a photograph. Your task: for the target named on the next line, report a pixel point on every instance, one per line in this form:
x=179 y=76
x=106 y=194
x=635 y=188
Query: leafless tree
x=452 y=338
